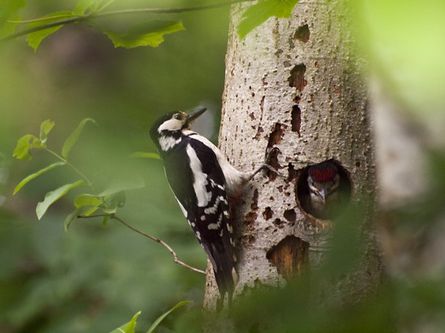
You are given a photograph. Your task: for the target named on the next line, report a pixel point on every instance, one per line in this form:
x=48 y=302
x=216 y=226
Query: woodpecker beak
x=192 y=116
x=323 y=195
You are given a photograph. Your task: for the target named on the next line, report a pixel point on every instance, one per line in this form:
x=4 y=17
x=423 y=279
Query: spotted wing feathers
x=199 y=188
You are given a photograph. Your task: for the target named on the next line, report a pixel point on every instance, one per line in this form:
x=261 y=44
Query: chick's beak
x=323 y=195
x=192 y=116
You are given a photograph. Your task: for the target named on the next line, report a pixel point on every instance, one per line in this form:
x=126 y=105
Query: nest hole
x=323 y=190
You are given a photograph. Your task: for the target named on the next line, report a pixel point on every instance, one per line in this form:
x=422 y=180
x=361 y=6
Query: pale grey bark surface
x=295 y=85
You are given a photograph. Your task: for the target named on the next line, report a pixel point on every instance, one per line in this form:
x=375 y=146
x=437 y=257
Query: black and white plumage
x=202 y=181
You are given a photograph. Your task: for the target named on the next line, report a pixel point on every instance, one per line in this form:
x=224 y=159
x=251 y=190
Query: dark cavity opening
x=289 y=256
x=303 y=34
x=296 y=119
x=329 y=177
x=296 y=78
x=276 y=135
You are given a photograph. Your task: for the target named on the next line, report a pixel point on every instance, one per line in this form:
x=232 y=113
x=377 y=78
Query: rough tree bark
x=294 y=87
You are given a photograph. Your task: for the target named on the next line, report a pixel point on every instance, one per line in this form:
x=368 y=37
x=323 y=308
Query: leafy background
x=94 y=277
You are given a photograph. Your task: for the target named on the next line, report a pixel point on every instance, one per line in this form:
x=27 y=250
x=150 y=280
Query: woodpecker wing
x=198 y=183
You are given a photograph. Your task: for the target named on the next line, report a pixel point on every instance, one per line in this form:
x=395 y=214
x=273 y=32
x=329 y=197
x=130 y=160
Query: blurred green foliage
x=262 y=11
x=403 y=41
x=94 y=277
x=130 y=327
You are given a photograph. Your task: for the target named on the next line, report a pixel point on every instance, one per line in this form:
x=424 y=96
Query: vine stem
x=153 y=238
x=82 y=18
x=76 y=170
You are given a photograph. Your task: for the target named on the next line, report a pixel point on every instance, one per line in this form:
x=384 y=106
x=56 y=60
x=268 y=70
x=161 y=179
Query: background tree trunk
x=293 y=87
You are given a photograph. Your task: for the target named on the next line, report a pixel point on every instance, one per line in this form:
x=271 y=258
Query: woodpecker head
x=323 y=183
x=166 y=132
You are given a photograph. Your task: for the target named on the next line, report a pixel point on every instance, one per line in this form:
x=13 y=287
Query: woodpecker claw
x=268 y=167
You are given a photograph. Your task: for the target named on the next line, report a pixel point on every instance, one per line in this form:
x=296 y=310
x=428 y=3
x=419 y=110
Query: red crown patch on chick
x=323 y=172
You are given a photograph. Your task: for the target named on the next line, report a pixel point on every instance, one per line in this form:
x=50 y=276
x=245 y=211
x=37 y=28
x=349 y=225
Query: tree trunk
x=293 y=91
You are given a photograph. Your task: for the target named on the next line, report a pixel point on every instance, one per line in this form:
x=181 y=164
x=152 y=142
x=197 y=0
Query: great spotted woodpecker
x=324 y=188
x=203 y=182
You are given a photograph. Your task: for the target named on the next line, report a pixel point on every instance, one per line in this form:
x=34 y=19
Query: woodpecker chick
x=323 y=183
x=203 y=182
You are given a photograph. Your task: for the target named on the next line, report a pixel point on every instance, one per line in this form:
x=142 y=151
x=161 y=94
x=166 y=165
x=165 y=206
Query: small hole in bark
x=279 y=223
x=331 y=189
x=290 y=256
x=296 y=78
x=276 y=135
x=290 y=215
x=272 y=160
x=268 y=213
x=303 y=33
x=296 y=119
x=292 y=173
x=250 y=218
x=254 y=204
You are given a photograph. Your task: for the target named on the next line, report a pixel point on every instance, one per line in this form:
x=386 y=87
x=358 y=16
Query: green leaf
x=116 y=200
x=143 y=154
x=122 y=186
x=46 y=127
x=88 y=211
x=114 y=196
x=129 y=327
x=8 y=10
x=162 y=317
x=149 y=35
x=85 y=200
x=34 y=39
x=35 y=175
x=263 y=10
x=74 y=137
x=53 y=196
x=70 y=219
x=88 y=203
x=110 y=211
x=24 y=145
x=86 y=7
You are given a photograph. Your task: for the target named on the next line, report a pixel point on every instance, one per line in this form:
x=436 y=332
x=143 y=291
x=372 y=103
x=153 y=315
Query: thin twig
x=75 y=169
x=75 y=19
x=153 y=238
x=82 y=18
x=172 y=10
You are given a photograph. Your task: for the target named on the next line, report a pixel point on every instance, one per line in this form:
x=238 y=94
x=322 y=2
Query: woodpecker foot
x=268 y=167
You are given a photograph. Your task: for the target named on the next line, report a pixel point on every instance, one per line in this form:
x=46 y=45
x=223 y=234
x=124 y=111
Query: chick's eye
x=177 y=116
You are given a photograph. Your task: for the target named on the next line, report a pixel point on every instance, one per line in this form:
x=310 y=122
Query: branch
x=75 y=169
x=82 y=18
x=153 y=238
